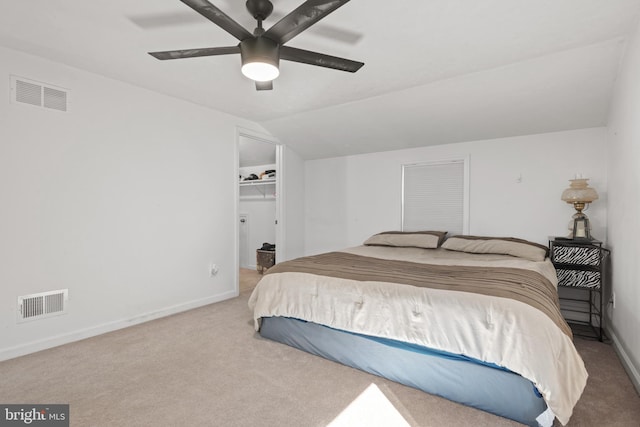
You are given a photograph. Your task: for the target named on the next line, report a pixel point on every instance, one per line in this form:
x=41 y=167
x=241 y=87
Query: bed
x=473 y=319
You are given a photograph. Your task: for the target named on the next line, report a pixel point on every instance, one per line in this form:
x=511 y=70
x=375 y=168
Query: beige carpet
x=248 y=279
x=207 y=367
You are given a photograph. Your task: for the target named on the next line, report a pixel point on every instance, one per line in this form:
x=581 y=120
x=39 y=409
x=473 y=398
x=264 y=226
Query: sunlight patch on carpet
x=370 y=408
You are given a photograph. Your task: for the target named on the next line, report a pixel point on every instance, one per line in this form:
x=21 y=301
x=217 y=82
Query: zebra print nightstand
x=580 y=265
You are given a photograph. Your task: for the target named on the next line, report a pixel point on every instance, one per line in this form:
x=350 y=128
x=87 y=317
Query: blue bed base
x=458 y=378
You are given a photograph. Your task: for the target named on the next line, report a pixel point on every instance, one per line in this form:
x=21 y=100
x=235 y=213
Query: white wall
x=326 y=210
x=350 y=198
x=624 y=205
x=293 y=189
x=125 y=200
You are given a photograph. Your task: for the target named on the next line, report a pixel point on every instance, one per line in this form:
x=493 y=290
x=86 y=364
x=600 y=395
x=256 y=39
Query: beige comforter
x=514 y=333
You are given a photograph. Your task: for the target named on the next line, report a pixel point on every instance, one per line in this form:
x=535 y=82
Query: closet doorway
x=259 y=204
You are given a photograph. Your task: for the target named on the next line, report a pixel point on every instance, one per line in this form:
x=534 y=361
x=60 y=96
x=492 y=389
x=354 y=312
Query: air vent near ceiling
x=42 y=305
x=25 y=91
x=29 y=93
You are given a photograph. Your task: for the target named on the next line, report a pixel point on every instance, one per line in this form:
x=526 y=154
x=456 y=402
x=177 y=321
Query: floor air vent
x=42 y=305
x=25 y=91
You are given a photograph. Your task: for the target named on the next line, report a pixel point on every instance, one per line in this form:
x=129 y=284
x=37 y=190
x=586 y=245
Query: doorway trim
x=280 y=167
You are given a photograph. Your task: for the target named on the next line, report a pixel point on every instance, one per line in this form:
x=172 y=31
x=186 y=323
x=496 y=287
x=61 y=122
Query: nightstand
x=580 y=265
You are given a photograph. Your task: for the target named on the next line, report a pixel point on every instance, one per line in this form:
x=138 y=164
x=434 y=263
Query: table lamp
x=579 y=194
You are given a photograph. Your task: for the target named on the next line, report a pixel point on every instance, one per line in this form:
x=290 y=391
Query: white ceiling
x=436 y=71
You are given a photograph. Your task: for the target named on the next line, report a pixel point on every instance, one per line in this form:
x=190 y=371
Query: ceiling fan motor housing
x=260 y=50
x=259 y=9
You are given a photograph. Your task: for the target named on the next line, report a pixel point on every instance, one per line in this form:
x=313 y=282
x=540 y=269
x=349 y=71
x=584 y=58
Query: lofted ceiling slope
x=436 y=71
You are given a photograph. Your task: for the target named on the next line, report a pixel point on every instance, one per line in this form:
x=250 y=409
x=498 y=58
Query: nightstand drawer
x=578 y=255
x=578 y=278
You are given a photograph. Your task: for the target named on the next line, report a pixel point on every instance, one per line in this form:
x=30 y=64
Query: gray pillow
x=497 y=245
x=407 y=239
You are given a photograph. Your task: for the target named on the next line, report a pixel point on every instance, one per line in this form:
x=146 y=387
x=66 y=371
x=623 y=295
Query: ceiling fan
x=261 y=51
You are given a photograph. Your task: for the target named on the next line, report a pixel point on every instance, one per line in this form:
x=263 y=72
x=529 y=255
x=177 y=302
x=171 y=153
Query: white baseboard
x=34 y=346
x=626 y=361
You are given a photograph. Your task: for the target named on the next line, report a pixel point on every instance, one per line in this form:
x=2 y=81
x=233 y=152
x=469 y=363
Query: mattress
x=455 y=377
x=513 y=322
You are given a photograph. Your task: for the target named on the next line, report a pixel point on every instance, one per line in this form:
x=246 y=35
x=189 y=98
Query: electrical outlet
x=613 y=299
x=213 y=270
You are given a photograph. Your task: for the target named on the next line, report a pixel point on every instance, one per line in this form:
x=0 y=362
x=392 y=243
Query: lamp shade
x=260 y=59
x=579 y=192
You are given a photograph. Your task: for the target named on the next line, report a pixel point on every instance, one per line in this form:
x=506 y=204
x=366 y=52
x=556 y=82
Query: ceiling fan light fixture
x=260 y=71
x=260 y=59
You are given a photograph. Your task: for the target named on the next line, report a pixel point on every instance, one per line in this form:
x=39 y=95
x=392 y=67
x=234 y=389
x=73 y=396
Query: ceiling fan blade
x=157 y=21
x=264 y=85
x=319 y=59
x=218 y=17
x=304 y=16
x=192 y=53
x=342 y=35
x=162 y=20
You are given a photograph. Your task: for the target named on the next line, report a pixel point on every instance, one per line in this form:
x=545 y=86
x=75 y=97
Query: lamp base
x=579 y=227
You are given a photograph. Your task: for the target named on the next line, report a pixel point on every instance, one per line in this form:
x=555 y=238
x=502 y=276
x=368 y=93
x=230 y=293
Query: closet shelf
x=256 y=182
x=258 y=189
